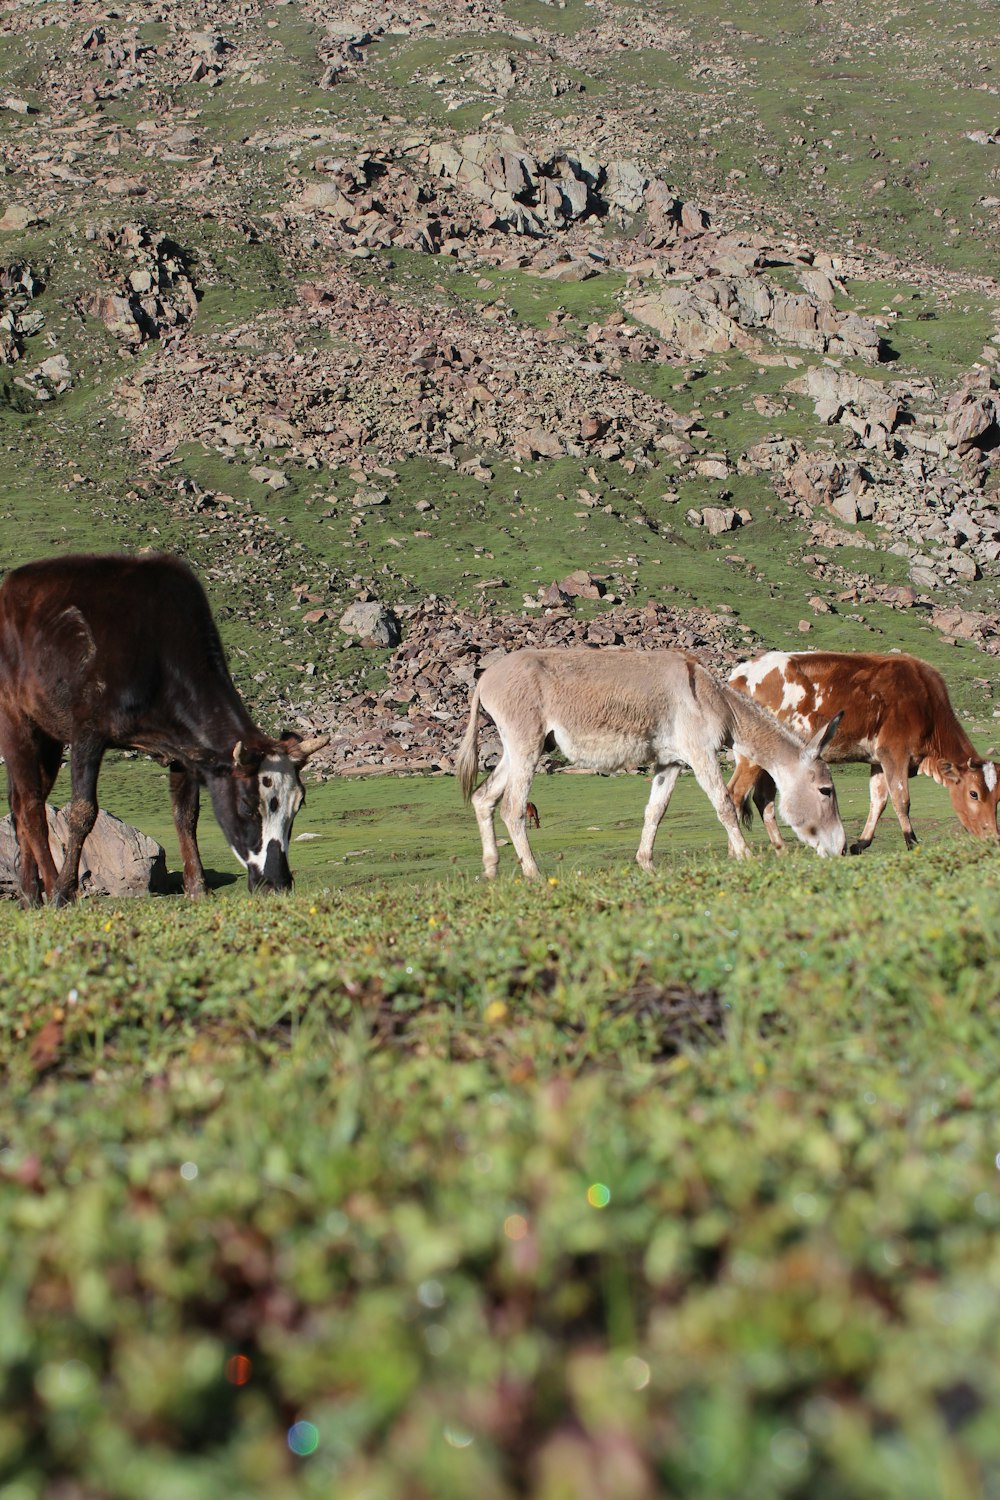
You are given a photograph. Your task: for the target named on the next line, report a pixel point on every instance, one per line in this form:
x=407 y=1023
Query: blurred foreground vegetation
x=614 y=1188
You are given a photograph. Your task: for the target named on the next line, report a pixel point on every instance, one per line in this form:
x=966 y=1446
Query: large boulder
x=117 y=859
x=376 y=625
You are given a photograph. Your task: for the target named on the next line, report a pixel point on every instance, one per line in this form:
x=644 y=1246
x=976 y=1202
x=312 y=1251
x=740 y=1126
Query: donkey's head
x=808 y=798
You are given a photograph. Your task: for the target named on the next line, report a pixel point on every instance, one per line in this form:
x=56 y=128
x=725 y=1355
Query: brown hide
x=897 y=717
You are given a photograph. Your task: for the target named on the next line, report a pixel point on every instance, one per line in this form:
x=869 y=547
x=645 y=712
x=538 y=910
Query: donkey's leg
x=664 y=781
x=710 y=779
x=514 y=807
x=85 y=763
x=484 y=801
x=878 y=796
x=184 y=798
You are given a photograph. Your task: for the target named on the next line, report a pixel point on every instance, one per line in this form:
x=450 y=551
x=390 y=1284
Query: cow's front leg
x=764 y=794
x=897 y=780
x=32 y=761
x=184 y=798
x=664 y=781
x=878 y=796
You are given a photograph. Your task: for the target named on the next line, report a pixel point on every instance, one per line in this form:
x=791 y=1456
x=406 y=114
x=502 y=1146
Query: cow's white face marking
x=990 y=775
x=281 y=796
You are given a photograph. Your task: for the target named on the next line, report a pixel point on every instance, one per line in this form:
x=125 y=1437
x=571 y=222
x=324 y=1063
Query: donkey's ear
x=822 y=737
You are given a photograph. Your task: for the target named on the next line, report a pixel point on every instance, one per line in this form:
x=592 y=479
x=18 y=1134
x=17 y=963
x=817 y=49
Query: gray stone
x=846 y=507
x=117 y=859
x=372 y=622
x=718 y=519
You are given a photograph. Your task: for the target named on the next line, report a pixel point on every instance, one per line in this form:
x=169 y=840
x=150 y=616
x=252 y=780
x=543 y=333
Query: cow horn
x=311 y=745
x=299 y=750
x=242 y=756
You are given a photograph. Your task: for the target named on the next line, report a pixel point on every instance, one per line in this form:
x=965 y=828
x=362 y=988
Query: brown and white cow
x=897 y=718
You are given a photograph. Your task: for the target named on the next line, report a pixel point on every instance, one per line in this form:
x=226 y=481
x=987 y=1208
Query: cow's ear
x=948 y=772
x=822 y=737
x=244 y=759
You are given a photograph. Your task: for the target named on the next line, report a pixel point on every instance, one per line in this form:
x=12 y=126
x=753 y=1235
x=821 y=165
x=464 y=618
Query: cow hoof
x=859 y=847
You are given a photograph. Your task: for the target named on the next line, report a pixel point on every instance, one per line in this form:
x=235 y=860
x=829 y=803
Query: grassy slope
x=398 y=1086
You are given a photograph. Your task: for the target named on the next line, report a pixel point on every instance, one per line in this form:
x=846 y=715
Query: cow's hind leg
x=664 y=781
x=897 y=780
x=85 y=764
x=184 y=798
x=878 y=796
x=710 y=779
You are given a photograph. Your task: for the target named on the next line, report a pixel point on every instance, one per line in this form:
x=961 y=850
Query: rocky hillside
x=524 y=322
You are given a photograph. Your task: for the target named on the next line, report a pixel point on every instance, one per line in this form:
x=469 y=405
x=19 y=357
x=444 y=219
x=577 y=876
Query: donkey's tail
x=467 y=759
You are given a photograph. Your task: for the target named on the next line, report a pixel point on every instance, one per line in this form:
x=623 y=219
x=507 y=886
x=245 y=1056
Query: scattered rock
x=117 y=859
x=376 y=625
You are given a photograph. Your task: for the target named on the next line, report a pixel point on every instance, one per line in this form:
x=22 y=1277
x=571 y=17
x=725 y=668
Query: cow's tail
x=467 y=759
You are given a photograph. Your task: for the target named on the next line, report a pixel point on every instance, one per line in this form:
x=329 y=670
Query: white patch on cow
x=752 y=673
x=990 y=775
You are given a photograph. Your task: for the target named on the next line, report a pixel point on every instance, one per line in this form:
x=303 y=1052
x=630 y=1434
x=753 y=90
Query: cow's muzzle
x=275 y=875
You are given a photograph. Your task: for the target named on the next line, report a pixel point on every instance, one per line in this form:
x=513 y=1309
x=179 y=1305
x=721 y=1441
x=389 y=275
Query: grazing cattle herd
x=100 y=652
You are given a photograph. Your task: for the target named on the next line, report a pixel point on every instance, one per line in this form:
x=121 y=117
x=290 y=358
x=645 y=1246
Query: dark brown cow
x=897 y=717
x=122 y=652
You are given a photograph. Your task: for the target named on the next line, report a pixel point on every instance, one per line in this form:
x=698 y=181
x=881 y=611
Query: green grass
x=687 y=1178
x=616 y=1187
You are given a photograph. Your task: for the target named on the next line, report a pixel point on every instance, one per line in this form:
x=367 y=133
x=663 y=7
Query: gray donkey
x=609 y=709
